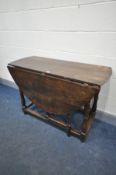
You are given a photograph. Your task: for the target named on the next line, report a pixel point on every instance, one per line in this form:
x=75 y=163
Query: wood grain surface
x=93 y=74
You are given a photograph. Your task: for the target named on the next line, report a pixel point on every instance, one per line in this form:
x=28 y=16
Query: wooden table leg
x=88 y=118
x=23 y=103
x=69 y=124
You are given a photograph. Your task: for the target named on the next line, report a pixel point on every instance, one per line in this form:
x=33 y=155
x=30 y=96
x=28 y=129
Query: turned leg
x=85 y=122
x=94 y=107
x=22 y=99
x=88 y=118
x=23 y=102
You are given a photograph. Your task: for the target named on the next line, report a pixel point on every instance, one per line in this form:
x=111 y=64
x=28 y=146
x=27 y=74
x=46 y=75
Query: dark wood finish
x=93 y=74
x=60 y=87
x=54 y=95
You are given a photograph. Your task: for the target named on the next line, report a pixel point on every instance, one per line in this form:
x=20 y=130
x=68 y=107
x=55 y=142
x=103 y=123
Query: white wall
x=62 y=29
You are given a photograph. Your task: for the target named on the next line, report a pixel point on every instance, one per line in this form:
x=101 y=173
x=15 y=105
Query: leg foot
x=83 y=137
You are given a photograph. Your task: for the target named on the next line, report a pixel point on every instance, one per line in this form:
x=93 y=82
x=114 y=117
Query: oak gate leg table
x=60 y=87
